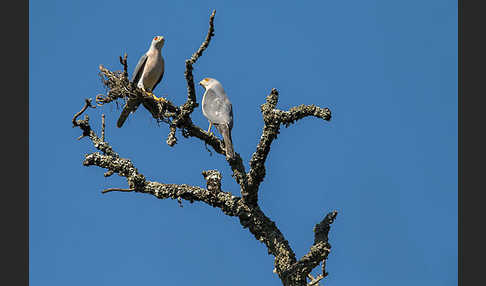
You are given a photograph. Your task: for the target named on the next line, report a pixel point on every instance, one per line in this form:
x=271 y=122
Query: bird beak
x=201 y=83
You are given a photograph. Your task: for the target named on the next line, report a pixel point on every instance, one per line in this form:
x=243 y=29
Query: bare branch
x=205 y=44
x=273 y=118
x=191 y=130
x=295 y=113
x=118 y=86
x=191 y=102
x=124 y=63
x=314 y=281
x=270 y=131
x=83 y=124
x=108 y=173
x=87 y=103
x=213 y=180
x=103 y=127
x=319 y=250
x=117 y=190
x=87 y=131
x=251 y=217
x=171 y=138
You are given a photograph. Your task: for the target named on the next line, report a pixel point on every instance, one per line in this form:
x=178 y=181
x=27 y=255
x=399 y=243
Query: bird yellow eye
x=206 y=79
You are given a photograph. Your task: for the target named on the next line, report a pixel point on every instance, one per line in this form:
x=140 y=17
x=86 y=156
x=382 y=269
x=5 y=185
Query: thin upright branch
x=124 y=63
x=187 y=108
x=206 y=41
x=191 y=102
x=103 y=127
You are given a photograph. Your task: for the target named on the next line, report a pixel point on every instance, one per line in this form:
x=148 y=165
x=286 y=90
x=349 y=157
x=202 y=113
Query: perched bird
x=150 y=68
x=217 y=108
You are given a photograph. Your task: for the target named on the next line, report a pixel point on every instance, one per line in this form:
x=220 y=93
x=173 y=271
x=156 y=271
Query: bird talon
x=160 y=99
x=154 y=97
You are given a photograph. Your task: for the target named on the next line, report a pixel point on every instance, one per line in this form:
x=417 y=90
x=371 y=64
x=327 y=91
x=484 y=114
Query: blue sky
x=387 y=161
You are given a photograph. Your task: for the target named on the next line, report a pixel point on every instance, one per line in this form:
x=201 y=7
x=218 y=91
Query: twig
x=108 y=173
x=124 y=62
x=213 y=180
x=103 y=127
x=117 y=190
x=314 y=281
x=207 y=149
x=302 y=111
x=205 y=44
x=171 y=138
x=191 y=101
x=87 y=103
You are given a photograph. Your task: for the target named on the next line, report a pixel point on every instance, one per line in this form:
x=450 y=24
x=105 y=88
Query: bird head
x=158 y=42
x=207 y=82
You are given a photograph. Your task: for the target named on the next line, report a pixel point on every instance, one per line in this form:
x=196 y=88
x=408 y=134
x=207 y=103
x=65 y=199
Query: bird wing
x=217 y=108
x=138 y=71
x=161 y=76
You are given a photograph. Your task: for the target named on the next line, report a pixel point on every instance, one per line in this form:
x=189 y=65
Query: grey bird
x=147 y=74
x=217 y=108
x=150 y=68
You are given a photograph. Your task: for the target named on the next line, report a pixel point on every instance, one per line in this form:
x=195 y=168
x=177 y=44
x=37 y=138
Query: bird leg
x=150 y=93
x=161 y=99
x=209 y=129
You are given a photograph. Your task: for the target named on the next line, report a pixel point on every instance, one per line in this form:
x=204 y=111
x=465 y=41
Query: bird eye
x=206 y=79
x=155 y=38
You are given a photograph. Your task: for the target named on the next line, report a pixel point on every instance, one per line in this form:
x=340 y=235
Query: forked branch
x=273 y=118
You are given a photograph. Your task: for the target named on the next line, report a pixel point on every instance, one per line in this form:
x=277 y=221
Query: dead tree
x=290 y=270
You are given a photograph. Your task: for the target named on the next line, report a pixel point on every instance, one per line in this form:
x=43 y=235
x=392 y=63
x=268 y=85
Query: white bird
x=217 y=108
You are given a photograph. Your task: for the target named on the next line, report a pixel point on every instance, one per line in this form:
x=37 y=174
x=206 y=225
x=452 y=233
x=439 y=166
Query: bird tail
x=130 y=107
x=228 y=144
x=123 y=116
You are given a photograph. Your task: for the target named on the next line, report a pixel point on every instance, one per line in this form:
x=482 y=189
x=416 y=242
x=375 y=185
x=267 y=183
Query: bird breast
x=216 y=107
x=154 y=67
